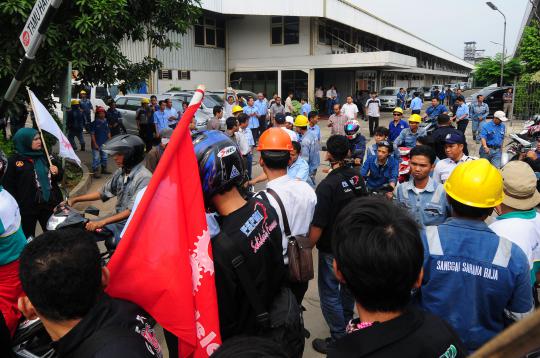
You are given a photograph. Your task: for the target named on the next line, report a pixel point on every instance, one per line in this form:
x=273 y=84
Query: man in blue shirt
x=306 y=107
x=381 y=170
x=473 y=279
x=299 y=168
x=310 y=145
x=75 y=124
x=416 y=104
x=100 y=133
x=422 y=196
x=313 y=118
x=86 y=106
x=492 y=136
x=462 y=114
x=408 y=136
x=478 y=112
x=401 y=98
x=160 y=119
x=397 y=125
x=262 y=111
x=253 y=115
x=381 y=134
x=433 y=111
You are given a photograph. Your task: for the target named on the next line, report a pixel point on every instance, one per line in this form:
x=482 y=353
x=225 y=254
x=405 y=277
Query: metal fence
x=526 y=100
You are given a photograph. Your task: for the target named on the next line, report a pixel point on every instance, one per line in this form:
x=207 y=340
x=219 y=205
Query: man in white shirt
x=280 y=123
x=171 y=113
x=373 y=107
x=331 y=96
x=453 y=147
x=288 y=103
x=319 y=99
x=349 y=109
x=518 y=221
x=297 y=197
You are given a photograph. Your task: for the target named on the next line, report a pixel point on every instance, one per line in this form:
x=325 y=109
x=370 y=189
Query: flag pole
x=39 y=128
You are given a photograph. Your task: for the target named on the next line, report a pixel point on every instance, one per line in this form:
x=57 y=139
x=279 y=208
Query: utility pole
x=493 y=7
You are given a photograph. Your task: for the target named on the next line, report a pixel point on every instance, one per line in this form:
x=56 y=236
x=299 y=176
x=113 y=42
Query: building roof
x=527 y=17
x=341 y=11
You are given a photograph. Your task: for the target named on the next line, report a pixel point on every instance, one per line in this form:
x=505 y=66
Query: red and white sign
x=30 y=31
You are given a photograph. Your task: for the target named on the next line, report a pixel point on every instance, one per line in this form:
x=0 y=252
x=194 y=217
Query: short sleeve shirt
x=125 y=187
x=349 y=110
x=100 y=129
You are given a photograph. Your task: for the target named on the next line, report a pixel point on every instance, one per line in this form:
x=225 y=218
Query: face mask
x=165 y=141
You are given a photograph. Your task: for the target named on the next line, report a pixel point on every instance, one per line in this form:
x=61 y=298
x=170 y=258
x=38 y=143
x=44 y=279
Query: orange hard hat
x=275 y=139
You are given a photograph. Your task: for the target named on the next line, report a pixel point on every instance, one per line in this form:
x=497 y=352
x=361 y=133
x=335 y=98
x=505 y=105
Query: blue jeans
x=249 y=159
x=477 y=128
x=72 y=134
x=330 y=106
x=337 y=303
x=494 y=156
x=98 y=156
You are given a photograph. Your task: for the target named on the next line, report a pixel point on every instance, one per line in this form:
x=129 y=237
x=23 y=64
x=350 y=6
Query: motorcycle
x=429 y=126
x=531 y=129
x=515 y=148
x=404 y=168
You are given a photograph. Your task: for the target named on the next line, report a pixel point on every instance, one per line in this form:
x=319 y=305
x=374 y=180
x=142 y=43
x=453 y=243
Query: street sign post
x=30 y=32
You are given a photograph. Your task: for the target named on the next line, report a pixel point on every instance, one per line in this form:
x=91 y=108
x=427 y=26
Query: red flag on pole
x=164 y=261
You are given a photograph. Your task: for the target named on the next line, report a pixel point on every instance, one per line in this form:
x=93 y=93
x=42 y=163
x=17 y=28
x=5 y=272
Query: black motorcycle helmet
x=131 y=146
x=3 y=165
x=220 y=163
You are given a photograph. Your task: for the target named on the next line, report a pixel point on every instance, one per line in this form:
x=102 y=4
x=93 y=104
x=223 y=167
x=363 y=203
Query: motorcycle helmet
x=220 y=163
x=3 y=165
x=131 y=146
x=352 y=128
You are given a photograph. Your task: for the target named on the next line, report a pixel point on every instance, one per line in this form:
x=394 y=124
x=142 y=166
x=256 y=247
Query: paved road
x=314 y=321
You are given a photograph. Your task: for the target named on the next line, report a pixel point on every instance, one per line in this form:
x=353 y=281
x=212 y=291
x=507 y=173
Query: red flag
x=164 y=261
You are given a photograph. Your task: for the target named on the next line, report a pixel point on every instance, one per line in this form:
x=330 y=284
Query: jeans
x=373 y=123
x=415 y=111
x=312 y=176
x=255 y=134
x=72 y=134
x=337 y=303
x=98 y=156
x=249 y=159
x=262 y=124
x=494 y=156
x=476 y=129
x=462 y=125
x=330 y=106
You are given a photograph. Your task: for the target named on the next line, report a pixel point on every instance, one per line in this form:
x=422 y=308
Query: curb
x=83 y=185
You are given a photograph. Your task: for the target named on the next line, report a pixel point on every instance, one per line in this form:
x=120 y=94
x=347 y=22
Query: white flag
x=46 y=122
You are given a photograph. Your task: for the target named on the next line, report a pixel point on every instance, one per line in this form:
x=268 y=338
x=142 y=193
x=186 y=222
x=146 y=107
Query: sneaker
x=321 y=345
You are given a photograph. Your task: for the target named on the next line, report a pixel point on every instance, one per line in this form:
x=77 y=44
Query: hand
x=486 y=150
x=357 y=161
x=532 y=154
x=94 y=225
x=54 y=170
x=389 y=195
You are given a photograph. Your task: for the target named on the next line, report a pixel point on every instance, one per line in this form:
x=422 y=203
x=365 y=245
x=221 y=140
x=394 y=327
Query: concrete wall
x=213 y=80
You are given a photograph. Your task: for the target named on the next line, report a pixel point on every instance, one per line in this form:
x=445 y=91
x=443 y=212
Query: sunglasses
x=396 y=114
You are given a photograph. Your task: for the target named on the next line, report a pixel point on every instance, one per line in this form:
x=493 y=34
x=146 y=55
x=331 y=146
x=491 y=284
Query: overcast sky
x=448 y=24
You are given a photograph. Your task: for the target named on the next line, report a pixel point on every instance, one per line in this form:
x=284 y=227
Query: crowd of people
x=399 y=258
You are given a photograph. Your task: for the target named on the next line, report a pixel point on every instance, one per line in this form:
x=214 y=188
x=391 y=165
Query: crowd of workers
x=419 y=260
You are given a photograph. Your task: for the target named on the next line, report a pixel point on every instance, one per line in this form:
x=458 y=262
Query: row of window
x=168 y=75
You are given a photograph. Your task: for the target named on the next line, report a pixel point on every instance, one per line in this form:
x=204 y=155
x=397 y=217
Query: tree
x=88 y=33
x=489 y=70
x=529 y=48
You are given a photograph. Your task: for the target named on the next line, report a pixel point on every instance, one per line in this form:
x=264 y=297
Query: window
x=210 y=32
x=285 y=30
x=184 y=75
x=165 y=74
x=132 y=104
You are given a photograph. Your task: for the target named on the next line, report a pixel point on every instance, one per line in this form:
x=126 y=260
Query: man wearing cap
x=444 y=127
x=475 y=280
x=492 y=137
x=100 y=133
x=337 y=121
x=279 y=120
x=114 y=119
x=518 y=220
x=454 y=144
x=86 y=107
x=75 y=124
x=396 y=125
x=289 y=123
x=154 y=155
x=407 y=137
x=310 y=145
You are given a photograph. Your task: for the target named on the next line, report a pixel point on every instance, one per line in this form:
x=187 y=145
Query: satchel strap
x=282 y=208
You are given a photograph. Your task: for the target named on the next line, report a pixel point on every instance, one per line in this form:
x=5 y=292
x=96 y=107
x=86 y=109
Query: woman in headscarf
x=31 y=181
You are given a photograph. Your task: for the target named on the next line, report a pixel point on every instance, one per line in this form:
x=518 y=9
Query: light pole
x=493 y=7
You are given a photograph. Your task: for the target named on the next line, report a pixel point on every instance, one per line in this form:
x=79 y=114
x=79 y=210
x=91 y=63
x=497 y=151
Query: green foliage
x=527 y=98
x=297 y=107
x=529 y=49
x=6 y=146
x=88 y=33
x=489 y=71
x=72 y=175
x=174 y=89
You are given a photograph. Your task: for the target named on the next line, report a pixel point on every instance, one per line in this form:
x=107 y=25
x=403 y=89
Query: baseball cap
x=289 y=119
x=454 y=138
x=280 y=118
x=519 y=186
x=500 y=115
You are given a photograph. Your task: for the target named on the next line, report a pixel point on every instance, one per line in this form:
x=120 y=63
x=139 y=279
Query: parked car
x=411 y=91
x=453 y=86
x=388 y=97
x=464 y=85
x=427 y=93
x=492 y=96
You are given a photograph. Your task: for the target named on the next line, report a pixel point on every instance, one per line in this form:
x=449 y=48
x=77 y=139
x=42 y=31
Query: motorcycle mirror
x=92 y=210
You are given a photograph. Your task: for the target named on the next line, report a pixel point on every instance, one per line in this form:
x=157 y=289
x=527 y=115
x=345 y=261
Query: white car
x=388 y=97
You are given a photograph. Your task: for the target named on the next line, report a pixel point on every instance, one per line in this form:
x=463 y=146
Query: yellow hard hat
x=237 y=109
x=145 y=100
x=476 y=183
x=301 y=121
x=415 y=118
x=83 y=92
x=75 y=101
x=398 y=109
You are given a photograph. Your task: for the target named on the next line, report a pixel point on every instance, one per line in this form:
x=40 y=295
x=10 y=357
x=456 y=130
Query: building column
x=311 y=85
x=279 y=84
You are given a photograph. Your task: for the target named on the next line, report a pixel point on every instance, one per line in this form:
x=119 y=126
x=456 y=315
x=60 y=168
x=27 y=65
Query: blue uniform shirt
x=462 y=110
x=299 y=170
x=408 y=139
x=378 y=175
x=395 y=129
x=433 y=112
x=310 y=151
x=471 y=277
x=161 y=120
x=253 y=121
x=306 y=108
x=372 y=152
x=493 y=134
x=100 y=129
x=428 y=207
x=316 y=130
x=262 y=107
x=478 y=111
x=416 y=104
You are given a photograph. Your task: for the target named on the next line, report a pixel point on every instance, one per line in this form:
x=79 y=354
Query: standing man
x=306 y=107
x=114 y=119
x=508 y=98
x=464 y=258
x=337 y=121
x=252 y=113
x=439 y=135
x=492 y=136
x=262 y=111
x=349 y=109
x=154 y=155
x=319 y=99
x=214 y=123
x=373 y=107
x=433 y=111
x=100 y=133
x=342 y=185
x=228 y=103
x=145 y=124
x=448 y=96
x=171 y=113
x=459 y=93
x=310 y=145
x=408 y=136
x=461 y=115
x=454 y=145
x=160 y=119
x=313 y=118
x=288 y=103
x=397 y=125
x=331 y=96
x=421 y=195
x=478 y=112
x=244 y=131
x=416 y=104
x=401 y=96
x=276 y=108
x=75 y=124
x=86 y=107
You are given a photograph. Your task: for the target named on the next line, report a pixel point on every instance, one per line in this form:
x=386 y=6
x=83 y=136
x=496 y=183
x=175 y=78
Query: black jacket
x=128 y=325
x=21 y=182
x=415 y=334
x=439 y=136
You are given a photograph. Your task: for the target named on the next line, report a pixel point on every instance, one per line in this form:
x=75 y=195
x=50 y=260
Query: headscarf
x=23 y=145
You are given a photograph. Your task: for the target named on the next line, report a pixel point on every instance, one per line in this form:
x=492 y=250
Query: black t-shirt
x=415 y=334
x=339 y=187
x=439 y=137
x=255 y=230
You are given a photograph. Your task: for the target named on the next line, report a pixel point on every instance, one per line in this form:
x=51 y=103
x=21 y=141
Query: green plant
x=297 y=106
x=6 y=146
x=489 y=70
x=529 y=48
x=174 y=89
